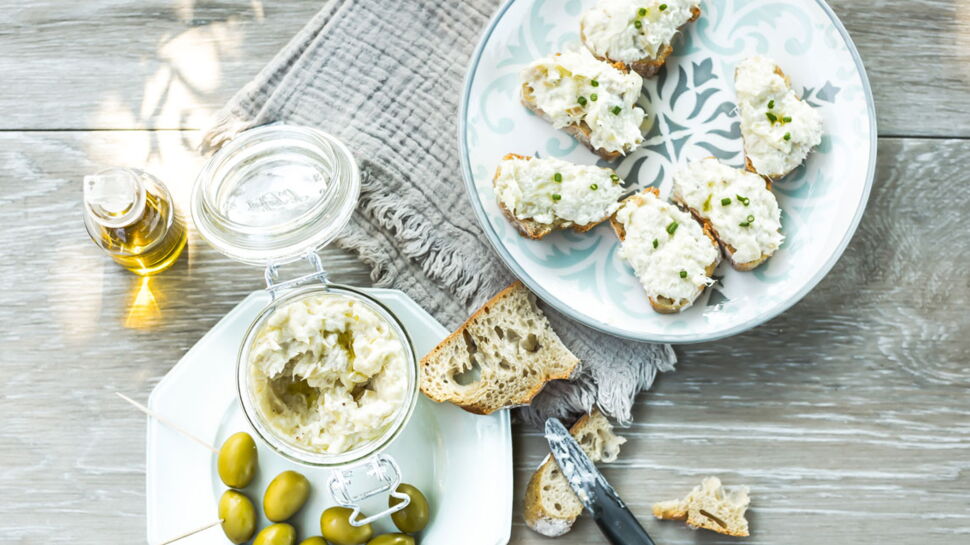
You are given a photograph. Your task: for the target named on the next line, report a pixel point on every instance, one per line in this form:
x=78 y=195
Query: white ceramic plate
x=692 y=115
x=462 y=462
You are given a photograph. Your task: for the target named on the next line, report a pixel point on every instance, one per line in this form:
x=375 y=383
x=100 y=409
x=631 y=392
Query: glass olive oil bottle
x=131 y=216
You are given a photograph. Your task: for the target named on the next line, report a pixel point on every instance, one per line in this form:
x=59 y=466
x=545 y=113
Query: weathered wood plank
x=132 y=64
x=847 y=415
x=163 y=64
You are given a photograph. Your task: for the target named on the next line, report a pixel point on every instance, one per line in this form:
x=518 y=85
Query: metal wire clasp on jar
x=327 y=375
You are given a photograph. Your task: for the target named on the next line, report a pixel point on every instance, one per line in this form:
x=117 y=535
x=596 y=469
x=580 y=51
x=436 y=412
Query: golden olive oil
x=131 y=216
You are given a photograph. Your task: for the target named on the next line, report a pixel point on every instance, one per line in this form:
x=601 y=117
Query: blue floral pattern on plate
x=691 y=114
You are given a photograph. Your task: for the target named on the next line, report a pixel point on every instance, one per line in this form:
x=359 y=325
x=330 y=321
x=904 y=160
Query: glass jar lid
x=275 y=193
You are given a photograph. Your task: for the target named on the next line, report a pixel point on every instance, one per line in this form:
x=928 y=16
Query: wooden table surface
x=849 y=415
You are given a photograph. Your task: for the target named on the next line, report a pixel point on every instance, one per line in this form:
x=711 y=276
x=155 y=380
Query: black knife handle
x=619 y=525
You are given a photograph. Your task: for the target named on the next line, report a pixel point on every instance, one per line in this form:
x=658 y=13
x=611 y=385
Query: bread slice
x=619 y=88
x=779 y=138
x=602 y=200
x=501 y=357
x=551 y=506
x=662 y=303
x=646 y=66
x=711 y=507
x=701 y=187
x=580 y=131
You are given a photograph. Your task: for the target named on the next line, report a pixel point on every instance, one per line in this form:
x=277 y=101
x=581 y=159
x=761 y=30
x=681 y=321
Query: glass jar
x=273 y=195
x=290 y=448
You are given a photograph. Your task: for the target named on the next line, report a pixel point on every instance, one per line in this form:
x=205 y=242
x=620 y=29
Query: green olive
x=285 y=495
x=336 y=528
x=276 y=534
x=237 y=460
x=415 y=516
x=315 y=540
x=392 y=539
x=238 y=516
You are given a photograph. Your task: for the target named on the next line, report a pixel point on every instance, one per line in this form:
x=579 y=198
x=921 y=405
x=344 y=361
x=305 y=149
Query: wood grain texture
x=849 y=415
x=127 y=64
x=172 y=63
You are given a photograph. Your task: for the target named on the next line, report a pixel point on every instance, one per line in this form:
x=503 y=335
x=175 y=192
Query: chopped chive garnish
x=663 y=7
x=616 y=110
x=786 y=119
x=637 y=23
x=771 y=104
x=744 y=224
x=594 y=187
x=641 y=12
x=614 y=177
x=557 y=176
x=683 y=274
x=749 y=219
x=743 y=200
x=581 y=101
x=594 y=83
x=672 y=227
x=772 y=117
x=787 y=136
x=656 y=243
x=556 y=196
x=593 y=97
x=725 y=201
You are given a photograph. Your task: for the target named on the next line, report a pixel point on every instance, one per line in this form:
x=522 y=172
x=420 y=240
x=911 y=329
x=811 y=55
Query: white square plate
x=462 y=462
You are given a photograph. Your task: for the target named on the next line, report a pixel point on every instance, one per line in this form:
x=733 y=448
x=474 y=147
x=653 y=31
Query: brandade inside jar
x=328 y=372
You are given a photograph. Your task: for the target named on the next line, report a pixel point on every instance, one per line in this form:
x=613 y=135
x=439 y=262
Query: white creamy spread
x=728 y=198
x=574 y=87
x=660 y=268
x=328 y=372
x=611 y=31
x=779 y=130
x=547 y=190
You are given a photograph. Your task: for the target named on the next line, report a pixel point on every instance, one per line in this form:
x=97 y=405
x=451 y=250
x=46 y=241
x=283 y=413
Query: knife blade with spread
x=600 y=499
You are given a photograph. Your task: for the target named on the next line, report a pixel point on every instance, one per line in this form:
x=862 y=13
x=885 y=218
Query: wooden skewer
x=170 y=424
x=192 y=532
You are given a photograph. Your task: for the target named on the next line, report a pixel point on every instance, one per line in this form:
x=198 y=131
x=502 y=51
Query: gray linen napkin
x=386 y=79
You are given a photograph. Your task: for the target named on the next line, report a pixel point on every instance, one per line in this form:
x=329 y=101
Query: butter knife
x=602 y=502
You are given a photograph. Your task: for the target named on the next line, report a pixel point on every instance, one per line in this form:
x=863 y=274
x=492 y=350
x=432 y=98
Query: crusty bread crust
x=646 y=66
x=478 y=408
x=723 y=514
x=536 y=517
x=580 y=131
x=728 y=250
x=661 y=304
x=533 y=229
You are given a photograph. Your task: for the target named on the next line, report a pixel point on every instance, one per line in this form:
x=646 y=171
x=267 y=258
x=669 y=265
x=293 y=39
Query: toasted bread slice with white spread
x=671 y=253
x=778 y=128
x=638 y=33
x=736 y=205
x=540 y=196
x=592 y=100
x=710 y=506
